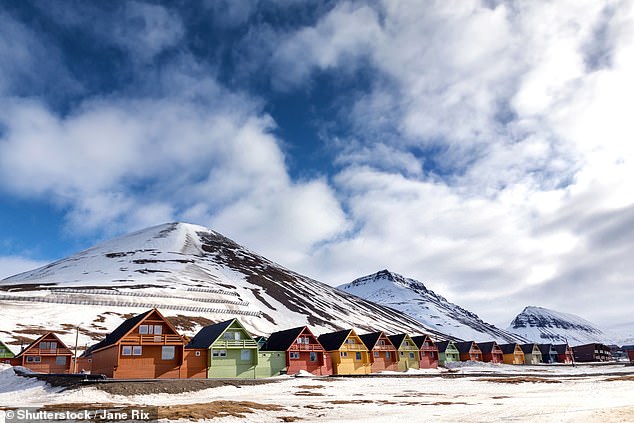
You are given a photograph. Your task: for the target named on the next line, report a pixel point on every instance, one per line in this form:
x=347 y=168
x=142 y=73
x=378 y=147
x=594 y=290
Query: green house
x=270 y=363
x=408 y=352
x=447 y=352
x=233 y=353
x=5 y=352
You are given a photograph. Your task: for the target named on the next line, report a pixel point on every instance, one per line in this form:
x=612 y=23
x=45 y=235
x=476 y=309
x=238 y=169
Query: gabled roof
x=420 y=340
x=282 y=340
x=561 y=348
x=209 y=334
x=32 y=344
x=465 y=346
x=397 y=339
x=508 y=348
x=487 y=347
x=334 y=340
x=370 y=339
x=443 y=345
x=528 y=348
x=546 y=349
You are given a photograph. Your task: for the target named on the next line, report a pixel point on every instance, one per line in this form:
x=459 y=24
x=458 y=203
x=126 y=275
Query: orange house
x=469 y=351
x=47 y=354
x=383 y=354
x=146 y=346
x=428 y=351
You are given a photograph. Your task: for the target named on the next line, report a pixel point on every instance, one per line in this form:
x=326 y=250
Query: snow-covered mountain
x=194 y=275
x=549 y=326
x=435 y=312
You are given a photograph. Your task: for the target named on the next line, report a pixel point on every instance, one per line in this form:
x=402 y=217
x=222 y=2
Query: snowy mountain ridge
x=194 y=275
x=543 y=325
x=434 y=311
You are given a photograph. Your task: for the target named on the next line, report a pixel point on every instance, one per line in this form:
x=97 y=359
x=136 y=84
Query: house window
x=344 y=353
x=158 y=330
x=137 y=350
x=48 y=345
x=197 y=354
x=388 y=355
x=220 y=353
x=376 y=353
x=411 y=355
x=303 y=340
x=33 y=359
x=381 y=342
x=231 y=335
x=60 y=360
x=145 y=329
x=402 y=354
x=357 y=356
x=313 y=356
x=422 y=353
x=294 y=355
x=245 y=355
x=350 y=341
x=168 y=352
x=126 y=350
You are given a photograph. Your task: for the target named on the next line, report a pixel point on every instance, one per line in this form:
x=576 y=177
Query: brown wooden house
x=592 y=352
x=302 y=350
x=47 y=354
x=629 y=350
x=428 y=351
x=383 y=354
x=564 y=353
x=491 y=352
x=146 y=346
x=469 y=351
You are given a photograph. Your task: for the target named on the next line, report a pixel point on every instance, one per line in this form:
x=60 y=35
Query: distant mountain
x=549 y=326
x=435 y=312
x=194 y=275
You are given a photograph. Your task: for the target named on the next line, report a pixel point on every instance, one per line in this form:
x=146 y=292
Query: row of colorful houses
x=148 y=346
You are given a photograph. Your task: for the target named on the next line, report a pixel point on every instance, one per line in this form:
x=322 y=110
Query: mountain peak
x=540 y=324
x=434 y=311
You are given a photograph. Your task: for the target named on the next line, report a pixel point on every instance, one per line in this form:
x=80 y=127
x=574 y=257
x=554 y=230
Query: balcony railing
x=152 y=339
x=353 y=347
x=383 y=348
x=307 y=347
x=235 y=343
x=428 y=348
x=43 y=351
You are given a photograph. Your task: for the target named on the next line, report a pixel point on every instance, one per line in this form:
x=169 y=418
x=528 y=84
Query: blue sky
x=482 y=147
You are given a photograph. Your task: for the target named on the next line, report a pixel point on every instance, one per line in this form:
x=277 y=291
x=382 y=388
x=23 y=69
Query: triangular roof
x=546 y=349
x=32 y=344
x=443 y=345
x=370 y=339
x=561 y=348
x=528 y=348
x=487 y=347
x=334 y=340
x=282 y=340
x=125 y=328
x=465 y=346
x=508 y=348
x=420 y=340
x=210 y=334
x=397 y=339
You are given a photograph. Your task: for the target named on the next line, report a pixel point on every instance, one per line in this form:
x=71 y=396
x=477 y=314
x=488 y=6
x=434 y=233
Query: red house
x=303 y=351
x=564 y=353
x=491 y=352
x=469 y=351
x=383 y=354
x=629 y=350
x=47 y=354
x=428 y=351
x=146 y=346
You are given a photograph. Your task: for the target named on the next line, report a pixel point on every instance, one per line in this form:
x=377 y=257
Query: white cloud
x=12 y=265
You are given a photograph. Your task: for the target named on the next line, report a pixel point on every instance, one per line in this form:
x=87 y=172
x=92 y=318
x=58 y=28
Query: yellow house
x=513 y=353
x=349 y=354
x=408 y=352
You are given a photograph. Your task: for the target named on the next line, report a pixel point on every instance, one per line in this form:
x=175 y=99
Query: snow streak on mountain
x=194 y=275
x=435 y=312
x=542 y=325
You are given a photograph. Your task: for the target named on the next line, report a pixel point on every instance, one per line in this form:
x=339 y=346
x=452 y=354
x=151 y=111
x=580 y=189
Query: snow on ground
x=380 y=399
